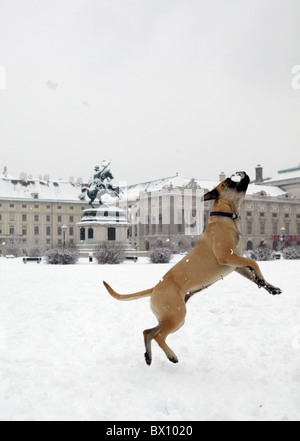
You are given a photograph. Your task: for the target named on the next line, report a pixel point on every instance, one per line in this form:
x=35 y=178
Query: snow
x=236 y=178
x=13 y=188
x=69 y=351
x=295 y=174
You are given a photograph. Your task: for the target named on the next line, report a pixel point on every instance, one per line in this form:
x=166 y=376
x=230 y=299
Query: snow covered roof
x=287 y=176
x=269 y=190
x=133 y=191
x=11 y=188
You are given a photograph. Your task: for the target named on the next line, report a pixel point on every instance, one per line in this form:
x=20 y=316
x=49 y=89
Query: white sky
x=157 y=86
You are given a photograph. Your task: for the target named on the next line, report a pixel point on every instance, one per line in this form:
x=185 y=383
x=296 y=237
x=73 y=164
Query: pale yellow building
x=37 y=215
x=33 y=214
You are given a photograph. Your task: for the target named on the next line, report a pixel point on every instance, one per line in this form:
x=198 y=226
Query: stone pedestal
x=106 y=224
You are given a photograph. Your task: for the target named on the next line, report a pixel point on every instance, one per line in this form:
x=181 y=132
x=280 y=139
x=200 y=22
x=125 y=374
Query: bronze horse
x=99 y=189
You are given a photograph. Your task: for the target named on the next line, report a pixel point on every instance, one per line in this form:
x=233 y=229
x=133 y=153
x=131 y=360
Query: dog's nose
x=242 y=174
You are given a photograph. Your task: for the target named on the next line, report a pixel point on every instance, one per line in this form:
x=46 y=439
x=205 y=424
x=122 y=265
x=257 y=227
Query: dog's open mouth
x=237 y=177
x=239 y=180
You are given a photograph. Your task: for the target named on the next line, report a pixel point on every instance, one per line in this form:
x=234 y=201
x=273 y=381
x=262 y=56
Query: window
x=262 y=228
x=71 y=208
x=286 y=215
x=90 y=233
x=71 y=218
x=147 y=224
x=48 y=207
x=11 y=217
x=36 y=218
x=58 y=218
x=249 y=245
x=71 y=231
x=24 y=231
x=274 y=215
x=11 y=205
x=24 y=217
x=249 y=227
x=160 y=224
x=287 y=228
x=48 y=218
x=275 y=227
x=111 y=234
x=82 y=233
x=11 y=230
x=24 y=206
x=153 y=224
x=36 y=231
x=48 y=231
x=262 y=214
x=36 y=206
x=59 y=231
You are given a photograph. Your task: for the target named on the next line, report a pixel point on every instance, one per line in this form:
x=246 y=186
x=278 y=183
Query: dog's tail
x=136 y=295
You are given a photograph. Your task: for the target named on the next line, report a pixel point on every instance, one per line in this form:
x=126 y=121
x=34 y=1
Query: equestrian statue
x=100 y=185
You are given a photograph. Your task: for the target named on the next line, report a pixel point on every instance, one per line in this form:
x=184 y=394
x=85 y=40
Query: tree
x=109 y=254
x=160 y=255
x=292 y=252
x=263 y=253
x=62 y=256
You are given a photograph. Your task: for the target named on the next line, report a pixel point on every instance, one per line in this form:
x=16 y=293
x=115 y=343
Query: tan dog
x=214 y=257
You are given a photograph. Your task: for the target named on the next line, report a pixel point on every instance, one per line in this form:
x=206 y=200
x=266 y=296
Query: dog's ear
x=211 y=195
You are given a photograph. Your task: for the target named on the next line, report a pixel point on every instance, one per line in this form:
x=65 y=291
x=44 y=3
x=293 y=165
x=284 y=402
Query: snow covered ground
x=68 y=351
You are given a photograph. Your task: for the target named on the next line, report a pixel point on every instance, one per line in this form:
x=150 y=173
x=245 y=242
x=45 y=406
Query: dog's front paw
x=273 y=290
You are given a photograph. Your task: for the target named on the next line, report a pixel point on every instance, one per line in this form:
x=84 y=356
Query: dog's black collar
x=233 y=216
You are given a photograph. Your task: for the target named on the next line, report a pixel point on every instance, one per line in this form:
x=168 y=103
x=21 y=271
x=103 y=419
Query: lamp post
x=282 y=237
x=64 y=229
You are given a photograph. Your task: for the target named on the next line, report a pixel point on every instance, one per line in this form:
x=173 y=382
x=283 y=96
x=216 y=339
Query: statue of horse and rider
x=100 y=185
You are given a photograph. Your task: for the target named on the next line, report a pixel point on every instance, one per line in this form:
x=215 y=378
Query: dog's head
x=233 y=189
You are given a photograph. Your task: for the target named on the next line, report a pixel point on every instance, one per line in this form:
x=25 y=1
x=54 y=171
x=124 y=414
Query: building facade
x=269 y=215
x=37 y=215
x=34 y=214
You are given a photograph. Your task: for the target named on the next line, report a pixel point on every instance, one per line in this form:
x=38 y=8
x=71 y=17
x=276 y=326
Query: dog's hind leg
x=170 y=323
x=148 y=336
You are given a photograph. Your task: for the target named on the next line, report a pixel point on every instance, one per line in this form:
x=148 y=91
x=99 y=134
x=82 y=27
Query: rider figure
x=98 y=180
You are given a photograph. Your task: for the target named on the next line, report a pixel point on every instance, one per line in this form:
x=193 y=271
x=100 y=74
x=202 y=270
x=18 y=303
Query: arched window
x=82 y=233
x=249 y=245
x=90 y=233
